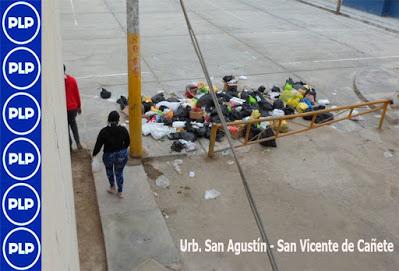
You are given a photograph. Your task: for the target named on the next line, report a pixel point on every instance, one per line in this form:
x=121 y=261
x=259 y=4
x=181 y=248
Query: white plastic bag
x=147 y=128
x=171 y=105
x=159 y=131
x=323 y=102
x=95 y=165
x=162 y=182
x=189 y=146
x=278 y=113
x=179 y=124
x=211 y=194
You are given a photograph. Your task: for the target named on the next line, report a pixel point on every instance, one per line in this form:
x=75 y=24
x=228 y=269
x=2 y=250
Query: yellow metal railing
x=340 y=110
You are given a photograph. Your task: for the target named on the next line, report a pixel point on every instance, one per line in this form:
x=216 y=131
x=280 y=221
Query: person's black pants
x=74 y=126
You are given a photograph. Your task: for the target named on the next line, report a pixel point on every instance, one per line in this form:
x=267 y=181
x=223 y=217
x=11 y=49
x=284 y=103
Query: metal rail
x=376 y=106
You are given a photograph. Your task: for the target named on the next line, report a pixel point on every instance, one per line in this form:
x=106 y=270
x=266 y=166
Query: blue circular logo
x=21 y=204
x=21 y=113
x=21 y=68
x=21 y=248
x=21 y=159
x=21 y=23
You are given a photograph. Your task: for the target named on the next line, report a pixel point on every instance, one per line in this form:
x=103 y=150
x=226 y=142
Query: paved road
x=265 y=40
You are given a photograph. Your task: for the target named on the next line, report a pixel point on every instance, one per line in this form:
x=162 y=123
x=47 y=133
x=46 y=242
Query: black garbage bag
x=172 y=100
x=245 y=95
x=261 y=89
x=147 y=106
x=177 y=146
x=309 y=118
x=290 y=81
x=105 y=94
x=219 y=134
x=298 y=85
x=235 y=115
x=320 y=118
x=266 y=106
x=255 y=131
x=188 y=136
x=205 y=100
x=275 y=89
x=278 y=104
x=264 y=113
x=268 y=133
x=225 y=97
x=123 y=102
x=182 y=112
x=158 y=98
x=288 y=110
x=228 y=78
x=324 y=117
x=200 y=132
x=245 y=111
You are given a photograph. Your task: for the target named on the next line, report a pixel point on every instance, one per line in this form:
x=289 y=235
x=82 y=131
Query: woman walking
x=115 y=139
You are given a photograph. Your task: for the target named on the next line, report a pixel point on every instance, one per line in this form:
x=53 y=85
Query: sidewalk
x=388 y=23
x=134 y=228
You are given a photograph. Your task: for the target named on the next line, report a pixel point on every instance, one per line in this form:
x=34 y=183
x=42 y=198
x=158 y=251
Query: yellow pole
x=134 y=78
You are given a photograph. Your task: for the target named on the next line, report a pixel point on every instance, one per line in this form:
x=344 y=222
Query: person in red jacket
x=73 y=107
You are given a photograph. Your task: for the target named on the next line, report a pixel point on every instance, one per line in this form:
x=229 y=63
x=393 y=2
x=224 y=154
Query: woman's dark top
x=114 y=138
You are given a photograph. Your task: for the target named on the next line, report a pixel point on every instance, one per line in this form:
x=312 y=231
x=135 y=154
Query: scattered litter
x=123 y=102
x=191 y=174
x=334 y=127
x=105 y=94
x=95 y=165
x=188 y=145
x=162 y=182
x=388 y=154
x=155 y=194
x=177 y=146
x=356 y=118
x=176 y=165
x=230 y=162
x=226 y=152
x=165 y=214
x=243 y=77
x=323 y=102
x=211 y=194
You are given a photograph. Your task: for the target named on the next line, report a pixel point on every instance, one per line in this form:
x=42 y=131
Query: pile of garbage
x=186 y=119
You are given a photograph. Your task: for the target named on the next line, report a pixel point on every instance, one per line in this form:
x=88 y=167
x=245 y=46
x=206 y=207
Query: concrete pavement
x=134 y=228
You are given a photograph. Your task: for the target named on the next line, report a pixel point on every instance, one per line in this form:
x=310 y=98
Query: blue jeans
x=114 y=163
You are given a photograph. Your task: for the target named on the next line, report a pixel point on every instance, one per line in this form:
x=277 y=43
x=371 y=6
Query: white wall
x=59 y=238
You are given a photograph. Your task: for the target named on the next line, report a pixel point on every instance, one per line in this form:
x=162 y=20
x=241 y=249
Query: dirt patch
x=151 y=172
x=90 y=235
